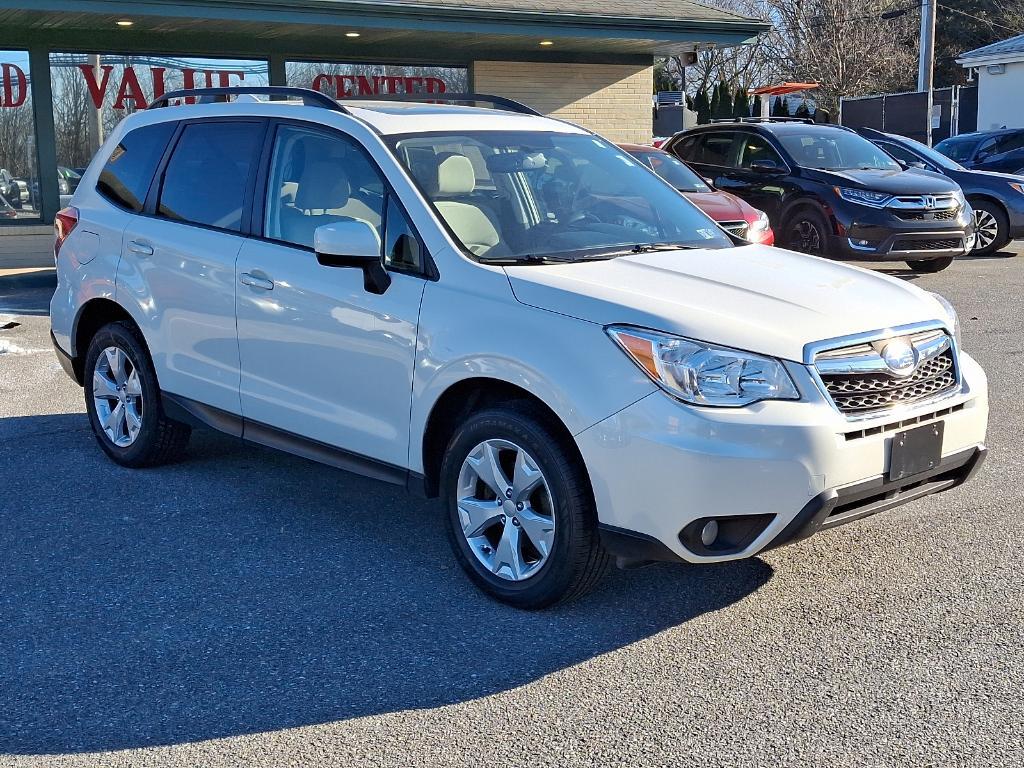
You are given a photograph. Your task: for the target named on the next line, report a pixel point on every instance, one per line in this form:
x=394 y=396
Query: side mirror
x=353 y=244
x=765 y=166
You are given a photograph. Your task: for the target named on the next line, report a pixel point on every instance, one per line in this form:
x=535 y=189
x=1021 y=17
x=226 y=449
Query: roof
x=434 y=31
x=1011 y=49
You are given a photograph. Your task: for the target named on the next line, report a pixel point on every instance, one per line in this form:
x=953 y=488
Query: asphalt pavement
x=245 y=607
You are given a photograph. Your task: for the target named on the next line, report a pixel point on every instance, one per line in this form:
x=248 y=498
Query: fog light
x=709 y=533
x=969 y=243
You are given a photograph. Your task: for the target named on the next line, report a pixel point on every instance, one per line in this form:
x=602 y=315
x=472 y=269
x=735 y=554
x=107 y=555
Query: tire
x=930 y=265
x=992 y=225
x=806 y=231
x=156 y=439
x=575 y=559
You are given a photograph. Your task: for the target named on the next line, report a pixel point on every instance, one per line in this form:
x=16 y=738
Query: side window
x=125 y=178
x=402 y=249
x=1009 y=142
x=318 y=178
x=207 y=174
x=757 y=148
x=987 y=148
x=900 y=153
x=686 y=148
x=716 y=149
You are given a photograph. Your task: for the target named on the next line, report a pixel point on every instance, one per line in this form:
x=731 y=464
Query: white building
x=999 y=68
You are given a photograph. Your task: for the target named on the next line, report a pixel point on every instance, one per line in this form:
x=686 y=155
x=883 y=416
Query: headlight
x=954 y=321
x=760 y=224
x=864 y=196
x=705 y=374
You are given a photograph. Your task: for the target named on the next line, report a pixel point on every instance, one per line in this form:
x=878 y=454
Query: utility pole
x=926 y=63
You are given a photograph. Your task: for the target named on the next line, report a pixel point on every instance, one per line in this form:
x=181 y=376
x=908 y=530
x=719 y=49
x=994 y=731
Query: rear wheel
x=122 y=399
x=521 y=518
x=991 y=227
x=806 y=231
x=930 y=265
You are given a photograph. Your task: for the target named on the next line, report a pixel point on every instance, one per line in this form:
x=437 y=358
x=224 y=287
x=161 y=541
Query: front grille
x=947 y=244
x=927 y=215
x=738 y=228
x=860 y=382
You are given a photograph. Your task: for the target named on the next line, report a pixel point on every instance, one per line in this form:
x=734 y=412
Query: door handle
x=140 y=249
x=256 y=282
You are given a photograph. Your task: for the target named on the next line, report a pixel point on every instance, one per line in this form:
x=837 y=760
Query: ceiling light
x=124 y=22
x=351 y=34
x=546 y=42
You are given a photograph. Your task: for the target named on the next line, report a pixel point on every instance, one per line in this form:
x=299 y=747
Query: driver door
x=321 y=357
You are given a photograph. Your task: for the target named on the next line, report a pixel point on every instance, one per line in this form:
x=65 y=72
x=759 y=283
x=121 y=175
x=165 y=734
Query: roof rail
x=310 y=98
x=500 y=102
x=806 y=120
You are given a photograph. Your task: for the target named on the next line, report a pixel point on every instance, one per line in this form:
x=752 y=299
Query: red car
x=733 y=214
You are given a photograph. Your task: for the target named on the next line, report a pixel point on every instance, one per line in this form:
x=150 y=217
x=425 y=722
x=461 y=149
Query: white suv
x=507 y=311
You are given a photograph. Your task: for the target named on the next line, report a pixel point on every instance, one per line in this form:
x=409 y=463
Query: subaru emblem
x=900 y=357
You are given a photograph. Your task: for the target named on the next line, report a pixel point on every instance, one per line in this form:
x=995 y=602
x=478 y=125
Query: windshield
x=932 y=156
x=673 y=170
x=957 y=149
x=531 y=195
x=835 y=150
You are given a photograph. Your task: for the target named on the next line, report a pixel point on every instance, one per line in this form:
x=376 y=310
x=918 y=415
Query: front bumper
x=862 y=233
x=767 y=474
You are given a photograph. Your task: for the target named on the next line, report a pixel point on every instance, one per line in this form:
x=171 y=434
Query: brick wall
x=611 y=99
x=26 y=247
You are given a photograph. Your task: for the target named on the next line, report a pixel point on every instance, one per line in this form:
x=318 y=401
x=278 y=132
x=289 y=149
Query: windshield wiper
x=529 y=258
x=652 y=247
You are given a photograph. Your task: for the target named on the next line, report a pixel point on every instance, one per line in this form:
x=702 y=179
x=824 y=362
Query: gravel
x=249 y=608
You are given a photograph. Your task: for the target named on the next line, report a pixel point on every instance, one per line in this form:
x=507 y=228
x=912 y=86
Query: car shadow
x=243 y=590
x=987 y=257
x=27 y=293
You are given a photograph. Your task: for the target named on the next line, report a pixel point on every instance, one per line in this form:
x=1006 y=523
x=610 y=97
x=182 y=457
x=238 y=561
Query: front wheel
x=807 y=232
x=930 y=265
x=991 y=228
x=122 y=399
x=521 y=517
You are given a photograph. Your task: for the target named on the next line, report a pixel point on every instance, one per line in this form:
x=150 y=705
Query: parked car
x=1001 y=150
x=506 y=311
x=14 y=190
x=67 y=180
x=830 y=192
x=997 y=198
x=7 y=211
x=729 y=211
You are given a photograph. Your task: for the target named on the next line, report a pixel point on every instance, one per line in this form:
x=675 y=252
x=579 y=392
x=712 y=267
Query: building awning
x=782 y=89
x=415 y=29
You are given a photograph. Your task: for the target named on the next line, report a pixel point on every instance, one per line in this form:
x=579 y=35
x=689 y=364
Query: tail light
x=63 y=224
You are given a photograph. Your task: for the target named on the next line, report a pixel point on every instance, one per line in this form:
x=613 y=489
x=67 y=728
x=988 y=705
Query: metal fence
x=955 y=111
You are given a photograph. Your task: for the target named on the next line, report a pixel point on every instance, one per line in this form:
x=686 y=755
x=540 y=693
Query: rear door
x=178 y=260
x=711 y=155
x=761 y=189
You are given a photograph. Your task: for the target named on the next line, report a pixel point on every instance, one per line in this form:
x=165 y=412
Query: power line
x=979 y=18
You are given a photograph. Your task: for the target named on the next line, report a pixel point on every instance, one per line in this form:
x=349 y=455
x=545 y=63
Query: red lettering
x=96 y=90
x=11 y=74
x=365 y=88
x=322 y=82
x=157 y=73
x=224 y=77
x=130 y=89
x=435 y=85
x=413 y=84
x=391 y=84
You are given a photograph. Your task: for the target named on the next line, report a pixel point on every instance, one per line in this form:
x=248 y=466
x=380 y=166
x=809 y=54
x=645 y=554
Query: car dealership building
x=71 y=69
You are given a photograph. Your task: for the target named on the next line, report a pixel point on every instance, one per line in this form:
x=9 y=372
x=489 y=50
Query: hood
x=721 y=206
x=757 y=298
x=912 y=181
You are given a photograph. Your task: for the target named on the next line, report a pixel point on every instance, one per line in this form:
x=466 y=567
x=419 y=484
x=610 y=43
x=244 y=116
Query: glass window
x=345 y=80
x=1010 y=142
x=206 y=176
x=402 y=249
x=318 y=178
x=757 y=148
x=834 y=150
x=126 y=177
x=715 y=149
x=673 y=170
x=957 y=149
x=560 y=195
x=19 y=181
x=92 y=92
x=686 y=148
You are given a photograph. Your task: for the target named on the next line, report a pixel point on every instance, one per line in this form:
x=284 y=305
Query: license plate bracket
x=916 y=450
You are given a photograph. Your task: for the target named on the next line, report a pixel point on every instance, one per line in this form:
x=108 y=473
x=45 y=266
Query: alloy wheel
x=505 y=510
x=117 y=396
x=805 y=237
x=986 y=229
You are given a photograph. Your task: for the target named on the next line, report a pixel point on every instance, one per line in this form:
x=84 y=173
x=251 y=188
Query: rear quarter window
x=126 y=177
